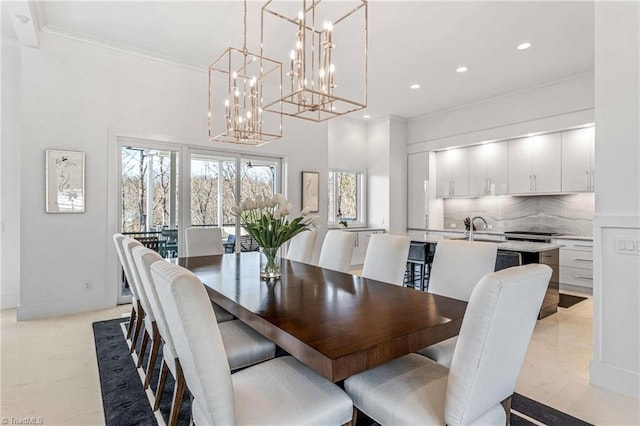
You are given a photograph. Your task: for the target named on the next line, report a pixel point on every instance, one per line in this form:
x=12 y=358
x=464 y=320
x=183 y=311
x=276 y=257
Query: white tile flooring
x=49 y=369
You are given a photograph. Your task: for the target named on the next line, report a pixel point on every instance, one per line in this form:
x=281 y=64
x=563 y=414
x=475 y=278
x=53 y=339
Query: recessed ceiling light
x=462 y=69
x=23 y=19
x=415 y=86
x=524 y=46
x=366 y=116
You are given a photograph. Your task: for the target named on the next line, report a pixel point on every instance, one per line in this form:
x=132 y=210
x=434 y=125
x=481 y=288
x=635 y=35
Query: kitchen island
x=530 y=252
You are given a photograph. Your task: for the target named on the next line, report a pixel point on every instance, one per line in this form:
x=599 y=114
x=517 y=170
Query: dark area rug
x=568 y=300
x=126 y=403
x=124 y=400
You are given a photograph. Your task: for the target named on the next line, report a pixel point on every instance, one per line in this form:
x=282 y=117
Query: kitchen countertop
x=479 y=234
x=520 y=246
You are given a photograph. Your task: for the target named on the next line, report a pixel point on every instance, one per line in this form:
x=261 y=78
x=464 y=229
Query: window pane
x=347 y=201
x=204 y=191
x=332 y=210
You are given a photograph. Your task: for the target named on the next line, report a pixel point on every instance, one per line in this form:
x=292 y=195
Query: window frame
x=361 y=197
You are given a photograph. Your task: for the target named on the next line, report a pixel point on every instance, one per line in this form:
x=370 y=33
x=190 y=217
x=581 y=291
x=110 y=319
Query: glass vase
x=270 y=264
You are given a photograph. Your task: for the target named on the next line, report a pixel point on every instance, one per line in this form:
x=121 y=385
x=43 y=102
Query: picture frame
x=64 y=181
x=311 y=191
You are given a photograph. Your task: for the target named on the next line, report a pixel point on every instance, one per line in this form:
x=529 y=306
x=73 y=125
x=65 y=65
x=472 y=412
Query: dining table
x=336 y=323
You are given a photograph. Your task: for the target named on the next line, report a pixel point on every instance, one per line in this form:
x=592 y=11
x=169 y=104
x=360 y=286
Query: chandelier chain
x=244 y=34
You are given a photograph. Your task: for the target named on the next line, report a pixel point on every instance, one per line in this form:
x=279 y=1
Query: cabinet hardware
x=535 y=182
x=588 y=180
x=582 y=245
x=582 y=260
x=530 y=184
x=593 y=180
x=580 y=277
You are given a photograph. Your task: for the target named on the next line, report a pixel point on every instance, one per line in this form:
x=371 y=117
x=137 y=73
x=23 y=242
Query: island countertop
x=519 y=246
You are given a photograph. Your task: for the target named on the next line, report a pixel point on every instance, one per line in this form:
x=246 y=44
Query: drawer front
x=575 y=244
x=576 y=276
x=576 y=258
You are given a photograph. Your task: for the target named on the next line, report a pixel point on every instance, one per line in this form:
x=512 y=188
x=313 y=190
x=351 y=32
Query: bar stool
x=420 y=255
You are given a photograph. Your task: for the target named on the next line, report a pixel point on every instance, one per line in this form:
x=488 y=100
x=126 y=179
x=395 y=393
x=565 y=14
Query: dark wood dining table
x=338 y=324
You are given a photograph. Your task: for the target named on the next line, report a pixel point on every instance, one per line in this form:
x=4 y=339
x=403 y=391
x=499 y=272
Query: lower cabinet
x=576 y=265
x=362 y=241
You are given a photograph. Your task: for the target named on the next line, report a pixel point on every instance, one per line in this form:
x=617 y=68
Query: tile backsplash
x=564 y=214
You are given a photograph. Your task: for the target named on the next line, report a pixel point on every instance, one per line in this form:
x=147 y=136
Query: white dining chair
x=337 y=250
x=456 y=269
x=137 y=312
x=279 y=391
x=301 y=247
x=243 y=346
x=150 y=332
x=386 y=258
x=203 y=241
x=493 y=341
x=207 y=242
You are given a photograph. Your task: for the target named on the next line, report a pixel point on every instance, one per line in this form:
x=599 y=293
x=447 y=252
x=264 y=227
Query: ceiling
x=409 y=42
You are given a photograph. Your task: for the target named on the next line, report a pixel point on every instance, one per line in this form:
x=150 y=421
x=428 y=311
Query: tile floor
x=49 y=369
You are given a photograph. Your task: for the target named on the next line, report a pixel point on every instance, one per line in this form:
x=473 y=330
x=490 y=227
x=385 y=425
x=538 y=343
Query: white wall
x=555 y=106
x=10 y=175
x=347 y=143
x=79 y=96
x=616 y=337
x=378 y=172
x=397 y=159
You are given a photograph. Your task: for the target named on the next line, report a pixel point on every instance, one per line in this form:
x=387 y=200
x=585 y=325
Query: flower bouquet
x=265 y=219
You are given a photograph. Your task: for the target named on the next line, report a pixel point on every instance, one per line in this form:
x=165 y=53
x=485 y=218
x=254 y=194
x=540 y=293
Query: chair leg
x=178 y=394
x=151 y=363
x=354 y=418
x=143 y=348
x=139 y=319
x=164 y=372
x=132 y=320
x=506 y=404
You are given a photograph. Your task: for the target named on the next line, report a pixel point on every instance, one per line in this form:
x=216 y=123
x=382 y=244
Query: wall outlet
x=88 y=286
x=453 y=225
x=489 y=226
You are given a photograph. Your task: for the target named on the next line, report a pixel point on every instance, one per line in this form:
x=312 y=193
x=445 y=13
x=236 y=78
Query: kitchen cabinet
x=452 y=172
x=488 y=169
x=578 y=151
x=362 y=241
x=576 y=264
x=418 y=190
x=535 y=164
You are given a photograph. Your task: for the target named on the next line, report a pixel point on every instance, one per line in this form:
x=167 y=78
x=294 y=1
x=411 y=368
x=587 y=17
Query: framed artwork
x=64 y=171
x=310 y=191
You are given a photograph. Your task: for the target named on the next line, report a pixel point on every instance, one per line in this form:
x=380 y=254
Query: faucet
x=471 y=226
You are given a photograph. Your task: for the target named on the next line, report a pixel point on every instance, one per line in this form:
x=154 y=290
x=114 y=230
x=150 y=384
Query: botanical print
x=65 y=181
x=310 y=188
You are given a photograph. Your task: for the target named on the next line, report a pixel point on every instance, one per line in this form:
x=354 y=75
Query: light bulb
x=292 y=54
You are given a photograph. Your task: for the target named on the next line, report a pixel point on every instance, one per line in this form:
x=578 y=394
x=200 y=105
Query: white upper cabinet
x=418 y=190
x=534 y=164
x=488 y=169
x=578 y=150
x=452 y=172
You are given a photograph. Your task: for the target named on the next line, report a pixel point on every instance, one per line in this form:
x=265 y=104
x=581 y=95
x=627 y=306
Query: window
x=347 y=197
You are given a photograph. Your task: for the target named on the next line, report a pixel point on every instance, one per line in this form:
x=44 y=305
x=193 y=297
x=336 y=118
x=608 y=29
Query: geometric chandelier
x=324 y=49
x=238 y=83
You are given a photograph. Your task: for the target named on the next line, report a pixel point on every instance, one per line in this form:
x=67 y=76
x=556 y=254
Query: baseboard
x=57 y=308
x=10 y=300
x=615 y=379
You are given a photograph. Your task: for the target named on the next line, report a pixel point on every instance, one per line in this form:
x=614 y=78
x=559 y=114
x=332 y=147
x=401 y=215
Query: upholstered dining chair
x=137 y=312
x=207 y=242
x=203 y=241
x=279 y=391
x=456 y=269
x=477 y=389
x=337 y=250
x=386 y=258
x=301 y=247
x=242 y=345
